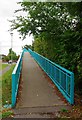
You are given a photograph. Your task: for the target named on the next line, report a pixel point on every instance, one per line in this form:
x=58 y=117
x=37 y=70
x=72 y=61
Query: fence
x=15 y=78
x=62 y=78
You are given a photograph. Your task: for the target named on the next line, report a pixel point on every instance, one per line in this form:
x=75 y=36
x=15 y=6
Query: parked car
x=10 y=61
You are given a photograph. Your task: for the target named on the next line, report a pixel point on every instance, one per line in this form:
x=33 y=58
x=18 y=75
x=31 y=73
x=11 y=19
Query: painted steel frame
x=61 y=77
x=16 y=77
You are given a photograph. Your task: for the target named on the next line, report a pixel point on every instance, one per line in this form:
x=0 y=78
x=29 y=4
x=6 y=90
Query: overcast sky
x=7 y=8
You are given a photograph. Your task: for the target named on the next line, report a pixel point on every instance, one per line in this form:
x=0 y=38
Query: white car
x=10 y=61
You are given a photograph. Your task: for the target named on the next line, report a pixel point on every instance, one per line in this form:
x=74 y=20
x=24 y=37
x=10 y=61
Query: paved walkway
x=37 y=94
x=36 y=88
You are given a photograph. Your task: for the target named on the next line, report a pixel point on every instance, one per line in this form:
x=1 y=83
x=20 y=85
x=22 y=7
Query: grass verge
x=7 y=113
x=2 y=66
x=6 y=86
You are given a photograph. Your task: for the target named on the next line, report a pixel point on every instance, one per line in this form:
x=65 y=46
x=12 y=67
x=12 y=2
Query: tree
x=11 y=55
x=57 y=29
x=27 y=46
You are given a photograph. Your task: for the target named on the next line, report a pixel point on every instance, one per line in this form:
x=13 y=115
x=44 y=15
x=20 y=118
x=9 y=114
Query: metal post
x=72 y=88
x=13 y=90
x=11 y=45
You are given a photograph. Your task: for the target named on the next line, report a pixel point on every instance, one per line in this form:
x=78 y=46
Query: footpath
x=38 y=97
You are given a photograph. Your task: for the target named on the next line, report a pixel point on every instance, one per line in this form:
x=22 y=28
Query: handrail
x=15 y=69
x=61 y=77
x=62 y=68
x=15 y=78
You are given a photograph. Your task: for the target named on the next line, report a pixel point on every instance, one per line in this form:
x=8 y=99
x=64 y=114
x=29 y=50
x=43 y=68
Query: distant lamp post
x=11 y=45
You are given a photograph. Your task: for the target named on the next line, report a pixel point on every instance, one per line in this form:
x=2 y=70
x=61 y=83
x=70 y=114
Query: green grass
x=64 y=110
x=6 y=86
x=7 y=114
x=2 y=66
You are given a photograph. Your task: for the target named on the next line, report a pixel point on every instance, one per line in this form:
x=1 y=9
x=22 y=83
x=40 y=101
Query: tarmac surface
x=37 y=95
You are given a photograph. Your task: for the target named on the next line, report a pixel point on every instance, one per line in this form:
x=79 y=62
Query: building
x=2 y=56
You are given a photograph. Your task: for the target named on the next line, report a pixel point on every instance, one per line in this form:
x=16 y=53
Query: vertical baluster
x=51 y=72
x=72 y=88
x=55 y=73
x=60 y=77
x=13 y=90
x=66 y=83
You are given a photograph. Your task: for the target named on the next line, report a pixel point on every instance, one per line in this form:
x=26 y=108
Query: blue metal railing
x=15 y=78
x=62 y=78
